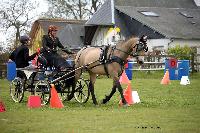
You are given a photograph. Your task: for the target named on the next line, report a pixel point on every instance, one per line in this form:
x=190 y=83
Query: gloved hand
x=68 y=51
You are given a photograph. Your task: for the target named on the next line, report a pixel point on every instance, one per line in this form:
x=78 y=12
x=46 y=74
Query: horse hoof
x=104 y=101
x=95 y=103
x=126 y=105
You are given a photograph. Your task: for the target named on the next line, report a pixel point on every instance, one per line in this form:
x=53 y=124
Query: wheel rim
x=66 y=93
x=17 y=89
x=42 y=89
x=82 y=92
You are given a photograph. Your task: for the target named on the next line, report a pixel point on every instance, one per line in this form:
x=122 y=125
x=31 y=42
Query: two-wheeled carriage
x=38 y=79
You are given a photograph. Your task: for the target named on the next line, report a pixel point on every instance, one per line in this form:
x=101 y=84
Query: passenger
x=21 y=54
x=21 y=58
x=50 y=42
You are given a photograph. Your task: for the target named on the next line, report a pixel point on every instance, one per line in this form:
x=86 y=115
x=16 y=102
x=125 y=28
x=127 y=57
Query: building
x=166 y=22
x=71 y=32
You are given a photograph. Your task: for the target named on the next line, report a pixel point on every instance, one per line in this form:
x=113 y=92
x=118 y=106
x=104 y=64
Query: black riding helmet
x=24 y=39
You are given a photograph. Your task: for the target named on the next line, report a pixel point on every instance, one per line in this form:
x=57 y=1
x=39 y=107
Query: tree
x=16 y=15
x=75 y=9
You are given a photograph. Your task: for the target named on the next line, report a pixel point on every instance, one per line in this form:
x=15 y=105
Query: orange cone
x=34 y=102
x=55 y=101
x=2 y=107
x=128 y=95
x=124 y=79
x=165 y=80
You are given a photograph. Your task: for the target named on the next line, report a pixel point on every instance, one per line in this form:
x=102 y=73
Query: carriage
x=38 y=79
x=109 y=61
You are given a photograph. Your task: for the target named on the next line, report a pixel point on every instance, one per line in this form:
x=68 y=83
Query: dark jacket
x=51 y=45
x=21 y=56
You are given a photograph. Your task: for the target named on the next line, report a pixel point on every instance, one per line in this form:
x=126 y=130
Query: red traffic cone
x=165 y=80
x=2 y=107
x=124 y=79
x=34 y=102
x=128 y=95
x=55 y=101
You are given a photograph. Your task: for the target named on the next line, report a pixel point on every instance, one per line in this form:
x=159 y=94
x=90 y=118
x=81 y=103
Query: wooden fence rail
x=152 y=63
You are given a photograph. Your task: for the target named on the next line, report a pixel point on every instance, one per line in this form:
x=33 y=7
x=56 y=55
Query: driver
x=50 y=42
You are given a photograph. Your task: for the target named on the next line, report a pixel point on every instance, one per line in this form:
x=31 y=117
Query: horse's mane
x=127 y=41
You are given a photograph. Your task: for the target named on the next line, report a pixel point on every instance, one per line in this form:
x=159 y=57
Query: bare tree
x=16 y=15
x=75 y=9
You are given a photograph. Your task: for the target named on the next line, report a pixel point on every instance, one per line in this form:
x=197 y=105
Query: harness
x=107 y=58
x=103 y=58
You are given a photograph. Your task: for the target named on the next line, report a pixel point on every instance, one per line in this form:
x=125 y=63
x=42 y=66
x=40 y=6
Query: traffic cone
x=2 y=107
x=165 y=80
x=34 y=102
x=124 y=79
x=135 y=97
x=127 y=95
x=184 y=80
x=55 y=101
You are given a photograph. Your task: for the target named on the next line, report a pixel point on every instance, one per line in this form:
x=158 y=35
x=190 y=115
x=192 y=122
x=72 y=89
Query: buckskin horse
x=109 y=61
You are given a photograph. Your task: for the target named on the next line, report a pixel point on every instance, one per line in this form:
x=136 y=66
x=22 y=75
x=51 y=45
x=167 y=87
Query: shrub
x=181 y=53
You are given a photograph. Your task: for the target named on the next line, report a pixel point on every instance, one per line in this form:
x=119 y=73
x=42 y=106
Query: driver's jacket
x=50 y=44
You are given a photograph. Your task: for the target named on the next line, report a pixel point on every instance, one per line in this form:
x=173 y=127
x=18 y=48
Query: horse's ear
x=143 y=38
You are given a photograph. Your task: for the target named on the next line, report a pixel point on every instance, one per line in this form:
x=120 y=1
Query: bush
x=181 y=53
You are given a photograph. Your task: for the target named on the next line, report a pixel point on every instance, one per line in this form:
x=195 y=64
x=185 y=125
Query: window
x=185 y=14
x=149 y=13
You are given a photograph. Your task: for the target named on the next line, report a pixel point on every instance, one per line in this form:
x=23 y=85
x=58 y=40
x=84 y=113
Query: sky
x=43 y=7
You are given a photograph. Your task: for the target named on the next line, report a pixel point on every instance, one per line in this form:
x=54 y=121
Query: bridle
x=141 y=45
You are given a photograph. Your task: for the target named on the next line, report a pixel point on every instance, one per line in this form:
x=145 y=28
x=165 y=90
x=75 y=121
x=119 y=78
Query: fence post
x=148 y=59
x=192 y=62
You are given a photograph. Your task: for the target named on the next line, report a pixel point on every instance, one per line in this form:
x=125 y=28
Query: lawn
x=164 y=108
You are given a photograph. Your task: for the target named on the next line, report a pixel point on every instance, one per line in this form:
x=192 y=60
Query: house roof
x=103 y=16
x=157 y=3
x=77 y=26
x=170 y=22
x=72 y=35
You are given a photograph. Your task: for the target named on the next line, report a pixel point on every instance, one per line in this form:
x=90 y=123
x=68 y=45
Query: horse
x=109 y=61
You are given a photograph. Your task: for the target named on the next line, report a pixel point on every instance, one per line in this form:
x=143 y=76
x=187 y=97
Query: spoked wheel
x=66 y=92
x=17 y=89
x=82 y=92
x=42 y=89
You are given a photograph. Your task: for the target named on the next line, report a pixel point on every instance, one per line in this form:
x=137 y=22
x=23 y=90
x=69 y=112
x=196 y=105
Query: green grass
x=164 y=108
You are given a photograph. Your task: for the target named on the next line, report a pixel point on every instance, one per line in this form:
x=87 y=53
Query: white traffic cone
x=135 y=97
x=185 y=80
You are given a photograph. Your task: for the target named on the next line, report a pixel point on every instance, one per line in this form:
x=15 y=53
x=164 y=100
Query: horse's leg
x=118 y=85
x=91 y=87
x=121 y=92
x=107 y=98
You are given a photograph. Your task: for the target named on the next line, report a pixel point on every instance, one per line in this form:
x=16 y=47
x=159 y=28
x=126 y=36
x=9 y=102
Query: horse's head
x=139 y=49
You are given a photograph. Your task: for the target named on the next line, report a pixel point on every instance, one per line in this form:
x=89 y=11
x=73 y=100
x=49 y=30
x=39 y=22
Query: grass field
x=164 y=108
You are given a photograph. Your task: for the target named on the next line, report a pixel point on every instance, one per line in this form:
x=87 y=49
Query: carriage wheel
x=66 y=93
x=82 y=92
x=17 y=89
x=42 y=89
